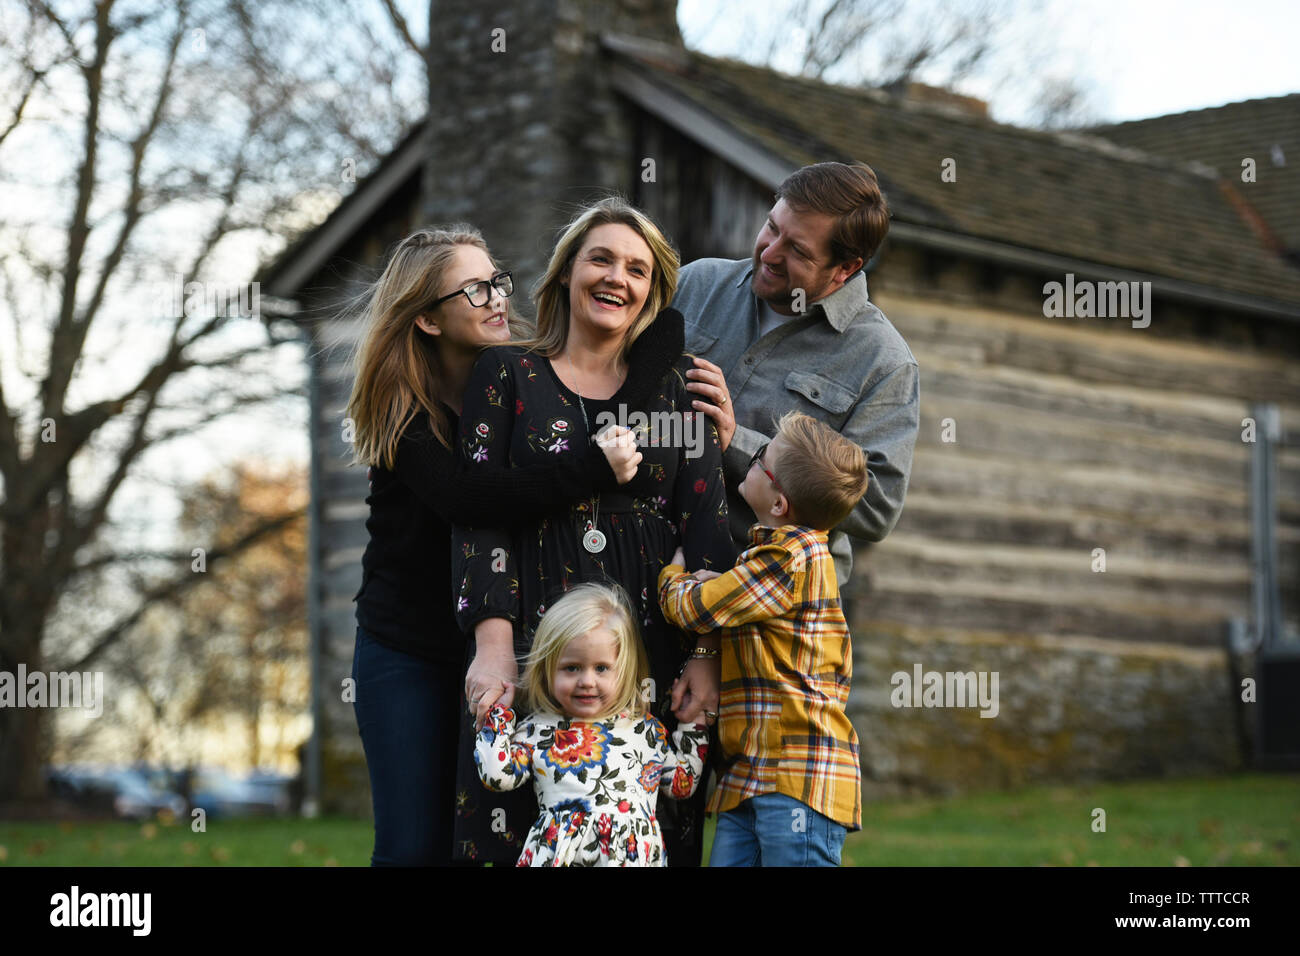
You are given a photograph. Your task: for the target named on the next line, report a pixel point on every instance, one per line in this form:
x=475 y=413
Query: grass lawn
x=1241 y=820
x=331 y=842
x=1245 y=820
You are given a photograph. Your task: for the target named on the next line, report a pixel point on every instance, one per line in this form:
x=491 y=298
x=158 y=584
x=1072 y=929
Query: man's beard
x=781 y=299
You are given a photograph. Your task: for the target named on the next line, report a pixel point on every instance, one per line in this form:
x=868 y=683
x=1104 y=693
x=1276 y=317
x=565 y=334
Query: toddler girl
x=596 y=756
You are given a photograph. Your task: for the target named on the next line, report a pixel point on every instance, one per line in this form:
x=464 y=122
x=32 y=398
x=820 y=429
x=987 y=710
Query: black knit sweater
x=406 y=600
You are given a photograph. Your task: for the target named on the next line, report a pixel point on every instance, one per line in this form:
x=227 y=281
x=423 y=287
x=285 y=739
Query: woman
x=440 y=301
x=610 y=276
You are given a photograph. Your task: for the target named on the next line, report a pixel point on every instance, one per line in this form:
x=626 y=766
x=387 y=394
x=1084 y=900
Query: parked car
x=126 y=793
x=274 y=787
x=137 y=799
x=222 y=795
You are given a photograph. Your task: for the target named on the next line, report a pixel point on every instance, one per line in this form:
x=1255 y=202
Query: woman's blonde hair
x=581 y=610
x=396 y=362
x=551 y=296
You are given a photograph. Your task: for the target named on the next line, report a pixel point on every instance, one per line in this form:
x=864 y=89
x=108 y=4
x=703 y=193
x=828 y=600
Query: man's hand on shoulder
x=710 y=384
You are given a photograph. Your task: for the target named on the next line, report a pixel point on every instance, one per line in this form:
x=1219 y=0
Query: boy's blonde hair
x=822 y=474
x=580 y=611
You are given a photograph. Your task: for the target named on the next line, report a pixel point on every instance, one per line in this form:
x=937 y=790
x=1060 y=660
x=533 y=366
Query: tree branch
x=99 y=562
x=76 y=534
x=66 y=342
x=222 y=225
x=177 y=585
x=399 y=22
x=34 y=80
x=49 y=14
x=131 y=214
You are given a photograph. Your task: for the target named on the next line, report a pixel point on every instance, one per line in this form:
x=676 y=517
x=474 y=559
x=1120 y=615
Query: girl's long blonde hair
x=583 y=609
x=551 y=296
x=396 y=363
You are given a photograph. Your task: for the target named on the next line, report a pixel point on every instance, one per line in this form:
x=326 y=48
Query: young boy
x=790 y=784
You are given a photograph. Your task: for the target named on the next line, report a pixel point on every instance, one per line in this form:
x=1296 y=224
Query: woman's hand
x=619 y=446
x=695 y=693
x=707 y=381
x=493 y=672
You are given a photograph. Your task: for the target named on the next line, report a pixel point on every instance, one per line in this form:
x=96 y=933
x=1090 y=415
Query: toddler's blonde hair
x=581 y=610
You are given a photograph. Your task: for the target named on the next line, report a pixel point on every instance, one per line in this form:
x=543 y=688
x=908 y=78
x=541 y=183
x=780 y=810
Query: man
x=793 y=329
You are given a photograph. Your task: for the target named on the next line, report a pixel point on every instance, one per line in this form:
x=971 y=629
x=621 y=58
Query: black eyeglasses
x=480 y=292
x=758 y=460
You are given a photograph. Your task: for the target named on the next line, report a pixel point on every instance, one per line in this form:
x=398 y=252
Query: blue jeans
x=776 y=830
x=408 y=713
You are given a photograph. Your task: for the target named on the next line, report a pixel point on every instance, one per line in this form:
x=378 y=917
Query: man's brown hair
x=852 y=195
x=822 y=473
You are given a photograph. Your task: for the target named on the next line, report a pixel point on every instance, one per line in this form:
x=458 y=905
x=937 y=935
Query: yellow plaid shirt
x=786 y=665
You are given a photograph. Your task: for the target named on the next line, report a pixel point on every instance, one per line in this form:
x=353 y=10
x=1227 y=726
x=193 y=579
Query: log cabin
x=1106 y=516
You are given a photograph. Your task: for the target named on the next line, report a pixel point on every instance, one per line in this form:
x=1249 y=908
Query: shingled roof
x=1265 y=130
x=1071 y=195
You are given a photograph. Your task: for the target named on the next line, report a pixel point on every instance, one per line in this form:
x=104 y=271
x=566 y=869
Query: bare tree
x=1063 y=103
x=231 y=649
x=890 y=44
x=152 y=147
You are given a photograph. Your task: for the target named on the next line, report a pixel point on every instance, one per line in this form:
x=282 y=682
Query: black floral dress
x=518 y=411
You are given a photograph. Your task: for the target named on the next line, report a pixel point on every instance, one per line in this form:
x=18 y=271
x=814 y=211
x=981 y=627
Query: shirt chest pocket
x=833 y=399
x=699 y=339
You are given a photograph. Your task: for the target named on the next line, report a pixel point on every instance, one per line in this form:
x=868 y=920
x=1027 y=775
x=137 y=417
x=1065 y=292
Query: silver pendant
x=594 y=541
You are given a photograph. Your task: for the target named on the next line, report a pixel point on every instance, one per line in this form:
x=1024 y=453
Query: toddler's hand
x=679 y=558
x=619 y=446
x=499 y=717
x=706 y=575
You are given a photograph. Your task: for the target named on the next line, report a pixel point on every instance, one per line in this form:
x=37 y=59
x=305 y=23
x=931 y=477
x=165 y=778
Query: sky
x=1138 y=58
x=1166 y=57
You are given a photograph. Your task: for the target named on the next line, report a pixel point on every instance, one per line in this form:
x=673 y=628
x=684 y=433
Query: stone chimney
x=523 y=125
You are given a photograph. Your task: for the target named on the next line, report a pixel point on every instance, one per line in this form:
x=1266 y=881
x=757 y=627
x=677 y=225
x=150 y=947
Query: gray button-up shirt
x=842 y=363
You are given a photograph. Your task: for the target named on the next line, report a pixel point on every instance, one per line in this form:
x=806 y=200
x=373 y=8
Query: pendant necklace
x=592 y=539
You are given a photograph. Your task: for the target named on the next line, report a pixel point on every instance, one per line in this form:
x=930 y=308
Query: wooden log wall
x=1042 y=440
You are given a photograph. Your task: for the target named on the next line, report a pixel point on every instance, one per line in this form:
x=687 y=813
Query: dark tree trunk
x=25 y=602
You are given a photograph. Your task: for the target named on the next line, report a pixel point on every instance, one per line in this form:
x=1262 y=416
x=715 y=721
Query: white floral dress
x=597 y=782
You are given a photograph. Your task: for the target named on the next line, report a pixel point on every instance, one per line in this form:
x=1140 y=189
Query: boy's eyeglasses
x=758 y=460
x=480 y=292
